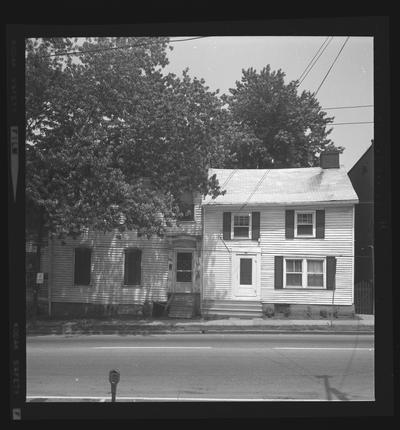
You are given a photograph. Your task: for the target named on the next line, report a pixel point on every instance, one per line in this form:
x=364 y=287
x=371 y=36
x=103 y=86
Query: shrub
x=269 y=311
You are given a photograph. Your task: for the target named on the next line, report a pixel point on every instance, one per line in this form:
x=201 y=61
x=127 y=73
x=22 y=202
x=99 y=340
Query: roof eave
x=303 y=203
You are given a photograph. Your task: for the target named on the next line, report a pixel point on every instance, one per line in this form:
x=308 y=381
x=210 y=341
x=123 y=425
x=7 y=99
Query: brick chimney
x=329 y=159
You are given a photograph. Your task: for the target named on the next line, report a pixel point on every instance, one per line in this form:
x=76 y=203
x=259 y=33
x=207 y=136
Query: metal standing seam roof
x=282 y=186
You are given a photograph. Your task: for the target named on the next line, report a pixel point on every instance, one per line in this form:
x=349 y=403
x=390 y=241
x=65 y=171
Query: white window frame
x=313 y=213
x=233 y=226
x=304 y=281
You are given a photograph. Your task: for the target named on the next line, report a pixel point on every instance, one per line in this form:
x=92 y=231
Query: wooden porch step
x=232 y=308
x=181 y=306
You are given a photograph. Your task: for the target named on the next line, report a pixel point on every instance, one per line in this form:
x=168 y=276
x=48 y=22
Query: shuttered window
x=133 y=267
x=82 y=266
x=305 y=224
x=305 y=272
x=241 y=226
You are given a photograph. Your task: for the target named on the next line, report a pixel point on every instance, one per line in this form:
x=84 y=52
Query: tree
x=283 y=129
x=102 y=124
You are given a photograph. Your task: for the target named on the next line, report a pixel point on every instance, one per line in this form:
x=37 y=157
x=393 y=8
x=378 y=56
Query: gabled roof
x=283 y=186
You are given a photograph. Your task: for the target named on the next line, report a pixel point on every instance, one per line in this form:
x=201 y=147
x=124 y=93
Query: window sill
x=305 y=237
x=131 y=286
x=83 y=285
x=305 y=288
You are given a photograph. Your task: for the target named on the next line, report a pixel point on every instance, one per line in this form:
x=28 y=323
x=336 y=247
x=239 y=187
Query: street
x=208 y=367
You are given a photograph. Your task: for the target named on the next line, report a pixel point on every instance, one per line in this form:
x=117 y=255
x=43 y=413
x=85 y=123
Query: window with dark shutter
x=278 y=272
x=82 y=266
x=133 y=269
x=289 y=224
x=226 y=225
x=255 y=225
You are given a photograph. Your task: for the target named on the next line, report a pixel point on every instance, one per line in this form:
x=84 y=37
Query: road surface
x=208 y=367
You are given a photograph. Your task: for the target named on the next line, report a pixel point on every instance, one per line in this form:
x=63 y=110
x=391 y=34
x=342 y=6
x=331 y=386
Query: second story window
x=305 y=224
x=186 y=207
x=241 y=226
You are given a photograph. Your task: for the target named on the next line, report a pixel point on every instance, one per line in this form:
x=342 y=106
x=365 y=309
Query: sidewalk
x=362 y=324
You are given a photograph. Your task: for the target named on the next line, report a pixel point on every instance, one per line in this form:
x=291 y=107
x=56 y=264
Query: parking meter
x=113 y=377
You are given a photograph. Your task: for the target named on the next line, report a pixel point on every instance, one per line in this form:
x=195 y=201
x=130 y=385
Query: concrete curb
x=143 y=329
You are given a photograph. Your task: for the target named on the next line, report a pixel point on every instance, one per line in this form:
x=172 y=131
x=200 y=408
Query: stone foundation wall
x=89 y=310
x=308 y=311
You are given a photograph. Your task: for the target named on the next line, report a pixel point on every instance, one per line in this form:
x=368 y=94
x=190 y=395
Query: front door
x=184 y=271
x=246 y=276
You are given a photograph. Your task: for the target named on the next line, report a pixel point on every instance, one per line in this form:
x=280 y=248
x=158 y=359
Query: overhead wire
x=90 y=51
x=333 y=63
x=312 y=59
x=316 y=60
x=348 y=123
x=347 y=107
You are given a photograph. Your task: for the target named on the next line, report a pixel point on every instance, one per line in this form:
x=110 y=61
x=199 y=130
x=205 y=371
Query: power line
x=308 y=65
x=143 y=247
x=347 y=123
x=330 y=68
x=347 y=107
x=316 y=60
x=116 y=47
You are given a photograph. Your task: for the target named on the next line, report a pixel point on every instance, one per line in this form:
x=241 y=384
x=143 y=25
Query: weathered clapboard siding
x=189 y=227
x=107 y=271
x=107 y=265
x=338 y=242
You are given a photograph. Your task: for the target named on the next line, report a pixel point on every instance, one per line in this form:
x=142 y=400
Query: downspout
x=202 y=261
x=50 y=276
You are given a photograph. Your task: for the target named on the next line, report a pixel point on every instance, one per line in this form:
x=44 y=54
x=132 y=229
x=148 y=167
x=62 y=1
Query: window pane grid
x=241 y=226
x=240 y=220
x=305 y=219
x=315 y=273
x=294 y=273
x=309 y=274
x=305 y=224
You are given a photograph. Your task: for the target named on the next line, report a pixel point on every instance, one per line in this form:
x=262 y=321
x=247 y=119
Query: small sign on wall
x=39 y=277
x=30 y=247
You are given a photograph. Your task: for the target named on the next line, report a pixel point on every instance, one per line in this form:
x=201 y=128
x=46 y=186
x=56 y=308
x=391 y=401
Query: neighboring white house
x=280 y=240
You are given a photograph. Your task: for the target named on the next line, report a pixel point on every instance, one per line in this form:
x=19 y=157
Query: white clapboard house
x=278 y=241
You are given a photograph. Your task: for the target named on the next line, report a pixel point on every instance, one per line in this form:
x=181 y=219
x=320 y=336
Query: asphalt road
x=202 y=367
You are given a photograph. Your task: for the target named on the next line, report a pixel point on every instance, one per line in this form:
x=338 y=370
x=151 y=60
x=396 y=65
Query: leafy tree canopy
x=99 y=123
x=279 y=128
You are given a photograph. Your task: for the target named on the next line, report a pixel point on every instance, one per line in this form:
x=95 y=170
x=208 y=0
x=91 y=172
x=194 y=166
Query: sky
x=219 y=60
